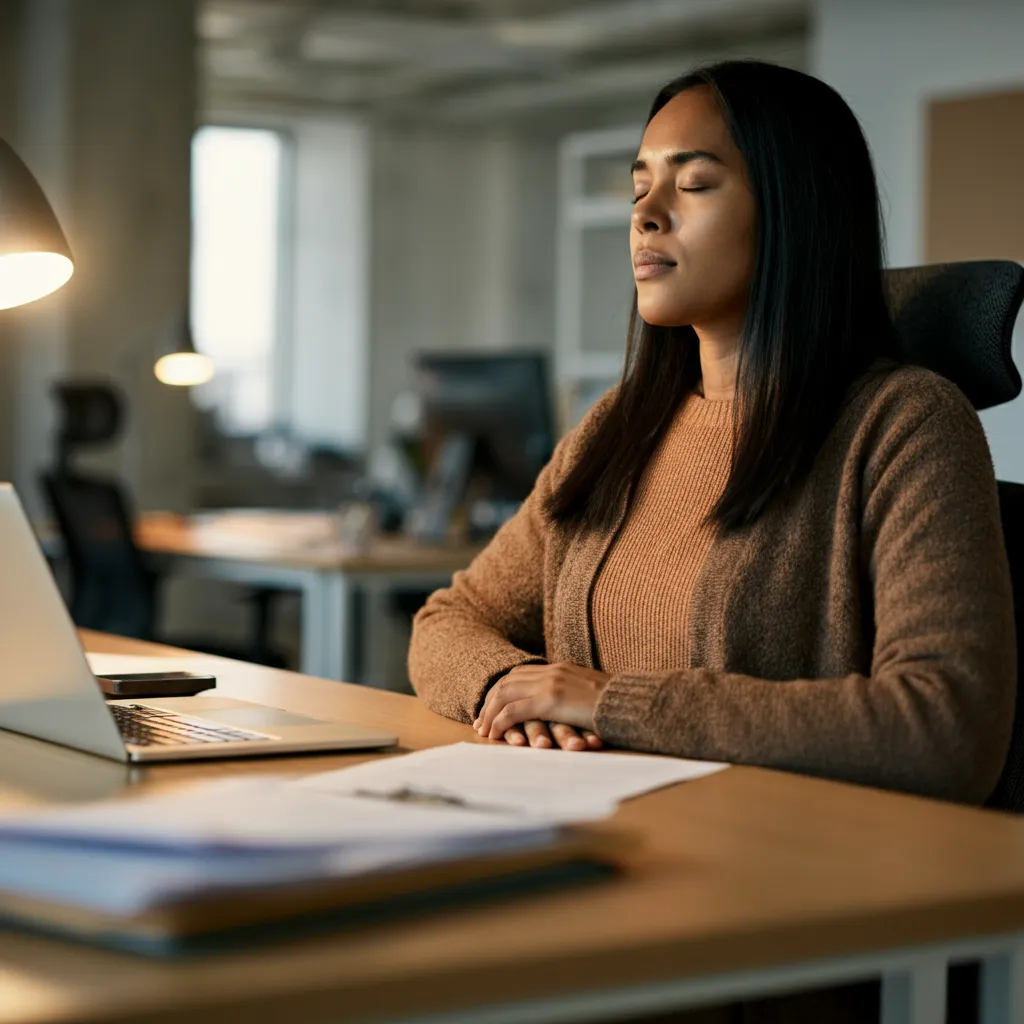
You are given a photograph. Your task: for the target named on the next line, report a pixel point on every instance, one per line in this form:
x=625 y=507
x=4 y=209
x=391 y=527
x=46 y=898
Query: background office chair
x=957 y=319
x=113 y=588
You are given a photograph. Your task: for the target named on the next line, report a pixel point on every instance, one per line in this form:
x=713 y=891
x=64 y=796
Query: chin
x=659 y=316
x=660 y=306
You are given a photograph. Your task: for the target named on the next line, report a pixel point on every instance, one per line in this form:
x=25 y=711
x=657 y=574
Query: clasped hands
x=544 y=706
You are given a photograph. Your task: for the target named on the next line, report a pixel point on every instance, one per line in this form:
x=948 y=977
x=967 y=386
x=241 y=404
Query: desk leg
x=1002 y=988
x=327 y=626
x=917 y=995
x=384 y=642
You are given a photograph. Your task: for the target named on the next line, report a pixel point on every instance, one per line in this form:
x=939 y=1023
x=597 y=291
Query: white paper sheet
x=270 y=815
x=555 y=785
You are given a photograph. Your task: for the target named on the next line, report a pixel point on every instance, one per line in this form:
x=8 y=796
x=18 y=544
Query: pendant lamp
x=178 y=363
x=35 y=258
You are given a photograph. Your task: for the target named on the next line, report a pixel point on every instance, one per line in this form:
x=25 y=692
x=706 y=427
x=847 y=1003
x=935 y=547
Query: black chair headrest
x=957 y=319
x=89 y=413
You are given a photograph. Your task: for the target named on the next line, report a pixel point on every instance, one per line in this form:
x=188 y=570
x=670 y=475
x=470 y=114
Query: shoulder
x=901 y=397
x=897 y=409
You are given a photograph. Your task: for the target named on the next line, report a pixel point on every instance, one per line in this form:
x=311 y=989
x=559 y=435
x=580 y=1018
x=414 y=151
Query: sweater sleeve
x=491 y=618
x=935 y=713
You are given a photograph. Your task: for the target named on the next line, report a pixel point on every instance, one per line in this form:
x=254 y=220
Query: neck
x=719 y=353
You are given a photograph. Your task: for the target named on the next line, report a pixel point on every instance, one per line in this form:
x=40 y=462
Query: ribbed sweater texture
x=860 y=629
x=641 y=599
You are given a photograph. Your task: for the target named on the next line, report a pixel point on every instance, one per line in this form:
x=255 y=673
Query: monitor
x=488 y=430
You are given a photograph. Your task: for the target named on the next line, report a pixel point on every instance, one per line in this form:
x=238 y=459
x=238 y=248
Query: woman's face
x=693 y=227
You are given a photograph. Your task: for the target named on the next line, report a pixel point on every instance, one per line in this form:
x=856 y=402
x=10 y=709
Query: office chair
x=113 y=589
x=1009 y=794
x=957 y=319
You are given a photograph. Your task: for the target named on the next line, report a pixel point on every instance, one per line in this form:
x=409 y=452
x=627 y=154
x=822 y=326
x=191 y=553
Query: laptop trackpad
x=259 y=718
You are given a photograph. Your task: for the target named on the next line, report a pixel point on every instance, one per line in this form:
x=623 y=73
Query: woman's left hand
x=561 y=692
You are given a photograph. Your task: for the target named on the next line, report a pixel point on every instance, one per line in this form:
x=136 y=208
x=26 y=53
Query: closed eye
x=698 y=188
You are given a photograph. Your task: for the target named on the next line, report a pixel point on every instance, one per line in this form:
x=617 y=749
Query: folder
x=239 y=859
x=236 y=918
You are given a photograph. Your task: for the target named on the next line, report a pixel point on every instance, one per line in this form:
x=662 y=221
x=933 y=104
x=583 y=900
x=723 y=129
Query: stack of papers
x=131 y=856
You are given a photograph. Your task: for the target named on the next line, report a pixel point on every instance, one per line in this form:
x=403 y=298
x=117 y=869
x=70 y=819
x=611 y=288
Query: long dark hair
x=816 y=316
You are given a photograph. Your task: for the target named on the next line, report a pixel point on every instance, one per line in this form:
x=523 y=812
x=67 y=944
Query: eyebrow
x=684 y=156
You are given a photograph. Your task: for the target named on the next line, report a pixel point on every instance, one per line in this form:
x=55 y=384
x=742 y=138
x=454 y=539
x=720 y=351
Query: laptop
x=48 y=691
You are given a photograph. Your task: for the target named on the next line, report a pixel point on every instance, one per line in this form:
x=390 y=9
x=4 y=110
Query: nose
x=649 y=215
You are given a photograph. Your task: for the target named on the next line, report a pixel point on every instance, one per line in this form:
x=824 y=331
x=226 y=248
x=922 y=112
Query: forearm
x=915 y=732
x=455 y=656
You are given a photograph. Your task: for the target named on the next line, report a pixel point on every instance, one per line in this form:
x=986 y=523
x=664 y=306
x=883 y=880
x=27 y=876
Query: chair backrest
x=1009 y=792
x=957 y=319
x=89 y=413
x=111 y=588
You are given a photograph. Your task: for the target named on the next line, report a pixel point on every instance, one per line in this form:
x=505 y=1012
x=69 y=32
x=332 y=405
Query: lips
x=648 y=263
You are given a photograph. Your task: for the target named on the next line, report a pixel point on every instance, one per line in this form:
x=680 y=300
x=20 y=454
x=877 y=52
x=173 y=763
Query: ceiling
x=474 y=60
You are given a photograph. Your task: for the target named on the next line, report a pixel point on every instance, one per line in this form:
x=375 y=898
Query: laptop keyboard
x=148 y=727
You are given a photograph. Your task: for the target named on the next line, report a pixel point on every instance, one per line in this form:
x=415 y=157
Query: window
x=237 y=272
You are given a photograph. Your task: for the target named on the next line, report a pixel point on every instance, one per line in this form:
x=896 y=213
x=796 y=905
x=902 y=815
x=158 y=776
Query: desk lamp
x=35 y=258
x=178 y=362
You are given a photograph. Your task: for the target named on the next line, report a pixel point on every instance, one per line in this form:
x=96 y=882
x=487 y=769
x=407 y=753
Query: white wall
x=462 y=249
x=330 y=302
x=889 y=59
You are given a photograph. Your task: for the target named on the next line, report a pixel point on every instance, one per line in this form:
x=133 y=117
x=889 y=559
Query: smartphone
x=154 y=684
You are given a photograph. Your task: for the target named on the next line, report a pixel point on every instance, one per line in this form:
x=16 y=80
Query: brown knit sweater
x=861 y=630
x=641 y=602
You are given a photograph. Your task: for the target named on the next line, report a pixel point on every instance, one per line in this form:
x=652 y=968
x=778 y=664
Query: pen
x=410 y=795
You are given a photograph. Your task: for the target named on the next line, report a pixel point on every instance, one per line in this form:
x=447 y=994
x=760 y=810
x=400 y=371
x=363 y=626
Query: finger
x=517 y=712
x=592 y=740
x=515 y=737
x=567 y=737
x=507 y=688
x=494 y=701
x=538 y=734
x=484 y=714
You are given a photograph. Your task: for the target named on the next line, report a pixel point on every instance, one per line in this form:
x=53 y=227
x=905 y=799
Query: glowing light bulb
x=27 y=276
x=184 y=369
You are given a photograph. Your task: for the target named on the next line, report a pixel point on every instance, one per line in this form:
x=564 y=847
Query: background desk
x=747 y=882
x=302 y=551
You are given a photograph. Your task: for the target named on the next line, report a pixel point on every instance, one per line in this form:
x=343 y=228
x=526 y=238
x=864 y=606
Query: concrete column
x=43 y=138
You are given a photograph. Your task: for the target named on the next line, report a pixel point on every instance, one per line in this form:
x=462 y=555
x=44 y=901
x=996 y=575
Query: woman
x=770 y=544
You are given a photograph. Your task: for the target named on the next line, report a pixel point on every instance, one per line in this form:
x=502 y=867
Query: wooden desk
x=302 y=551
x=747 y=882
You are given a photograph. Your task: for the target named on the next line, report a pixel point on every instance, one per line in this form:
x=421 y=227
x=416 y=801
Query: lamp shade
x=178 y=363
x=35 y=258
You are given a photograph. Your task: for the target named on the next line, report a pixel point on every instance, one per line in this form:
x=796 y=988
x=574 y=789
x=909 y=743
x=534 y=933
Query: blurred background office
x=356 y=209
